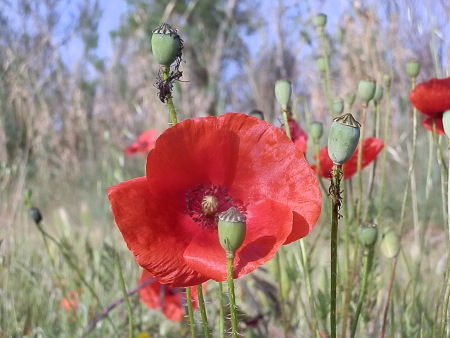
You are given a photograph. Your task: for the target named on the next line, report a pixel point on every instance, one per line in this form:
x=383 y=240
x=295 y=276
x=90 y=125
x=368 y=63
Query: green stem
x=221 y=313
x=360 y=151
x=286 y=124
x=231 y=295
x=125 y=297
x=445 y=302
x=170 y=106
x=280 y=293
x=201 y=305
x=335 y=206
x=327 y=84
x=190 y=312
x=367 y=266
x=388 y=299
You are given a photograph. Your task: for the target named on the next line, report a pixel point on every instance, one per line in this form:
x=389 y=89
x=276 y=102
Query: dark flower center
x=205 y=202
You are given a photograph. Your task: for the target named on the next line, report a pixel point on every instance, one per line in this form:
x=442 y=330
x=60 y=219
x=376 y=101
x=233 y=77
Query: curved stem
x=170 y=106
x=201 y=305
x=280 y=293
x=231 y=295
x=190 y=312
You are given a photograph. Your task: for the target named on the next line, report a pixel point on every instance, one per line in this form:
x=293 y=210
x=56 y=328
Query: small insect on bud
x=366 y=90
x=390 y=244
x=320 y=20
x=343 y=138
x=446 y=122
x=412 y=68
x=283 y=91
x=166 y=45
x=231 y=228
x=338 y=106
x=316 y=130
x=367 y=235
x=35 y=215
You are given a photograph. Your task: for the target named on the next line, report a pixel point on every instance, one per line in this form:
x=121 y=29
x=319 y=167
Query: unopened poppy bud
x=343 y=138
x=320 y=20
x=387 y=80
x=166 y=44
x=316 y=130
x=35 y=215
x=366 y=90
x=231 y=228
x=283 y=91
x=446 y=122
x=378 y=94
x=412 y=68
x=390 y=244
x=338 y=106
x=258 y=114
x=367 y=234
x=321 y=64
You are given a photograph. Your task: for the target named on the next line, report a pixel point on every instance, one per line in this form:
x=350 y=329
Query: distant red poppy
x=298 y=135
x=169 y=300
x=145 y=143
x=432 y=99
x=371 y=149
x=70 y=303
x=241 y=162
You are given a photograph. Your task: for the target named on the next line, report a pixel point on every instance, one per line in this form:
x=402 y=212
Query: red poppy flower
x=432 y=99
x=70 y=303
x=298 y=135
x=241 y=162
x=145 y=143
x=169 y=300
x=371 y=149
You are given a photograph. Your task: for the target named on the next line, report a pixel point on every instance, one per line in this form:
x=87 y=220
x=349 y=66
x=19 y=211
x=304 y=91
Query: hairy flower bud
x=343 y=138
x=283 y=91
x=166 y=44
x=231 y=228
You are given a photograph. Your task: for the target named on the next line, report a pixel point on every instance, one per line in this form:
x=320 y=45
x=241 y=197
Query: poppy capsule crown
x=343 y=138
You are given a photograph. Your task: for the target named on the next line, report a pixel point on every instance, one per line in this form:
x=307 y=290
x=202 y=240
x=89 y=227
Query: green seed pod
x=390 y=244
x=350 y=99
x=338 y=106
x=257 y=113
x=366 y=90
x=367 y=234
x=412 y=68
x=316 y=130
x=343 y=138
x=35 y=215
x=378 y=94
x=283 y=91
x=446 y=122
x=321 y=64
x=387 y=80
x=166 y=45
x=320 y=20
x=231 y=228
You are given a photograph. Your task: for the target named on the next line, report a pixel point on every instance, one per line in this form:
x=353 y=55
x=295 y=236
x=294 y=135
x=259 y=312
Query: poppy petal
x=268 y=225
x=431 y=98
x=428 y=122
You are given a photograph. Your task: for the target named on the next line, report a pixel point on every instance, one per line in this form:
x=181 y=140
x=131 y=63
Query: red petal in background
x=431 y=98
x=427 y=123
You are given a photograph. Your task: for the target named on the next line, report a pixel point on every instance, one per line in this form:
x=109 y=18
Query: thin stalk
x=125 y=297
x=221 y=313
x=280 y=293
x=231 y=295
x=201 y=305
x=169 y=101
x=388 y=299
x=446 y=295
x=428 y=184
x=286 y=124
x=360 y=151
x=367 y=266
x=190 y=312
x=327 y=84
x=335 y=206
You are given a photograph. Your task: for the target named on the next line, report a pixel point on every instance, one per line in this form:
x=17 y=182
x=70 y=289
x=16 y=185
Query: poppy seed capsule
x=231 y=228
x=316 y=130
x=35 y=215
x=338 y=106
x=321 y=64
x=412 y=68
x=166 y=44
x=283 y=91
x=343 y=138
x=387 y=80
x=320 y=20
x=366 y=90
x=390 y=245
x=446 y=122
x=378 y=94
x=350 y=99
x=367 y=235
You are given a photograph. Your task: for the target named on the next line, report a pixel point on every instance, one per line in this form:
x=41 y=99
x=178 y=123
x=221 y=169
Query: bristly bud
x=316 y=130
x=367 y=235
x=283 y=91
x=412 y=68
x=446 y=122
x=231 y=228
x=390 y=244
x=166 y=45
x=338 y=106
x=35 y=215
x=321 y=64
x=343 y=138
x=320 y=20
x=366 y=90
